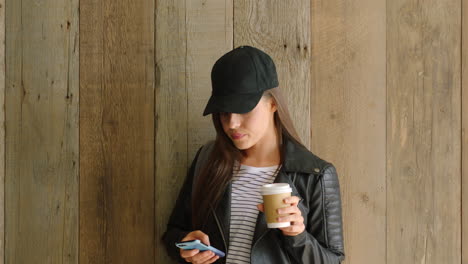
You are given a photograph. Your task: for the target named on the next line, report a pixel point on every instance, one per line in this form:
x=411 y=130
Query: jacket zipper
x=220 y=229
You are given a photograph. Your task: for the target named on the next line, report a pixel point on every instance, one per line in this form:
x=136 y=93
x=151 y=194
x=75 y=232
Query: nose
x=234 y=120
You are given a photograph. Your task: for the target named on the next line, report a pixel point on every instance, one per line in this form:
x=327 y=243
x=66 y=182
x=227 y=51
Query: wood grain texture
x=282 y=29
x=2 y=131
x=41 y=106
x=423 y=132
x=348 y=115
x=464 y=135
x=190 y=37
x=117 y=132
x=171 y=113
x=209 y=36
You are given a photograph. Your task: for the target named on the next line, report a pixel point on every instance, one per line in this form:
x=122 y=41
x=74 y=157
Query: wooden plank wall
x=282 y=29
x=423 y=132
x=209 y=36
x=170 y=112
x=464 y=139
x=2 y=131
x=117 y=198
x=348 y=115
x=101 y=117
x=41 y=106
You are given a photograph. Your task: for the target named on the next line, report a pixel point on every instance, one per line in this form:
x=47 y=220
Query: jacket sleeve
x=305 y=248
x=180 y=221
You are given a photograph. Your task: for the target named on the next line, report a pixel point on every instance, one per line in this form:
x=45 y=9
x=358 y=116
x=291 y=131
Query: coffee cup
x=273 y=196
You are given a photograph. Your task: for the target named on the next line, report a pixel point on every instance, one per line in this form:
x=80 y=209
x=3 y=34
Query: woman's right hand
x=194 y=255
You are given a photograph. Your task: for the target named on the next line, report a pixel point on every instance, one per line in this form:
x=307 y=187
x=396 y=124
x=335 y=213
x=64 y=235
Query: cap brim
x=239 y=103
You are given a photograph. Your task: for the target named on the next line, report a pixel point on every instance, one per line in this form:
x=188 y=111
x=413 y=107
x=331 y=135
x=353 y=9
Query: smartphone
x=196 y=244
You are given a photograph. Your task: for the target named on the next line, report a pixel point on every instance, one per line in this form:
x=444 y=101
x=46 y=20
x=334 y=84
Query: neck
x=264 y=153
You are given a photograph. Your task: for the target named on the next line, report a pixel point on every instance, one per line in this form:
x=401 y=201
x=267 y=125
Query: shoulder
x=204 y=150
x=207 y=148
x=300 y=159
x=208 y=144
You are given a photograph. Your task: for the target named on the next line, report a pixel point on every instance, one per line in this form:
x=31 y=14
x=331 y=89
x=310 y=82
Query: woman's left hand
x=295 y=216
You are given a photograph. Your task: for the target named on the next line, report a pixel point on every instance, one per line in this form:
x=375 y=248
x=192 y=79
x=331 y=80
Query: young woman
x=256 y=144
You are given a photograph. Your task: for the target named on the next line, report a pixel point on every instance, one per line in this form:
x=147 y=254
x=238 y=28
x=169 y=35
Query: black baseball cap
x=238 y=80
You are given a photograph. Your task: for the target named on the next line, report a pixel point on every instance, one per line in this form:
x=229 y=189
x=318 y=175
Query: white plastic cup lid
x=275 y=188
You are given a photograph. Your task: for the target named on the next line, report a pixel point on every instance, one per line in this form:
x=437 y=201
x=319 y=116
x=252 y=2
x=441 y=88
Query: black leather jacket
x=312 y=179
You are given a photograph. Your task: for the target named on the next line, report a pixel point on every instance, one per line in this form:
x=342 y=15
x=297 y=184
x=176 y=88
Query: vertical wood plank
x=117 y=132
x=171 y=112
x=190 y=37
x=2 y=131
x=464 y=139
x=281 y=29
x=209 y=36
x=41 y=106
x=423 y=136
x=348 y=115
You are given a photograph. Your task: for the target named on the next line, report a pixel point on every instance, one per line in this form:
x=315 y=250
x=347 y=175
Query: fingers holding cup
x=261 y=207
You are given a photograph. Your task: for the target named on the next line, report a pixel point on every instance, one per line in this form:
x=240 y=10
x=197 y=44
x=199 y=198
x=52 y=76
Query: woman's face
x=246 y=130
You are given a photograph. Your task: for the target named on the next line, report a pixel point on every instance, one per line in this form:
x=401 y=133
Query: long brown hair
x=217 y=171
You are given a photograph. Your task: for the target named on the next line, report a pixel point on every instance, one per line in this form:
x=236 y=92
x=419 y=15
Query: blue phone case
x=196 y=244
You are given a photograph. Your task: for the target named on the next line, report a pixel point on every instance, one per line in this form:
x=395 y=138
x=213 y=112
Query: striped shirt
x=244 y=213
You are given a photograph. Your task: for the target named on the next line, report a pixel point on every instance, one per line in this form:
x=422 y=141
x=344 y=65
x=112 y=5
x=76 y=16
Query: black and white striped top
x=244 y=199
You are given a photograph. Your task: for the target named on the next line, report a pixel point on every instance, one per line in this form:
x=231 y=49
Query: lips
x=237 y=135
